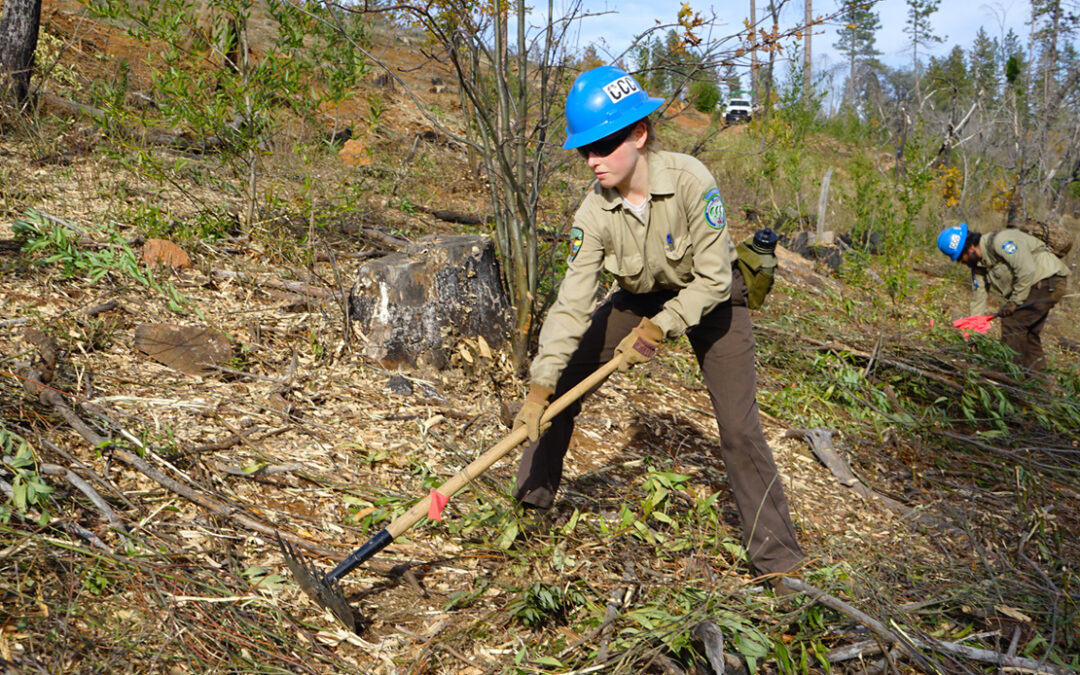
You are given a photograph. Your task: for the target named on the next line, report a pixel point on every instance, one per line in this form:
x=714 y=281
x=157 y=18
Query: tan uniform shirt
x=683 y=246
x=1012 y=262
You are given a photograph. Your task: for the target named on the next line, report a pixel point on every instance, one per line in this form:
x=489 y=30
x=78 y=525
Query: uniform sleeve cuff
x=670 y=323
x=543 y=379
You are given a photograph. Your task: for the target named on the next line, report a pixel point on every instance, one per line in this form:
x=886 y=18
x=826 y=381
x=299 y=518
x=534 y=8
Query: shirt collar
x=661 y=182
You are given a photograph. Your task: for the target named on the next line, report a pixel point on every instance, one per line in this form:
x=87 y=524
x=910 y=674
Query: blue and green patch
x=714 y=210
x=577 y=236
x=1009 y=247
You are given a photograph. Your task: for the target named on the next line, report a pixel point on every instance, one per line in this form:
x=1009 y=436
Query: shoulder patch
x=577 y=235
x=714 y=209
x=1009 y=247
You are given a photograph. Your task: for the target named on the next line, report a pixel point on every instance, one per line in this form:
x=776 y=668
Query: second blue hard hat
x=602 y=101
x=951 y=240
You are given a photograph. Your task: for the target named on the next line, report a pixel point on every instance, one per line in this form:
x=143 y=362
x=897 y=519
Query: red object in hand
x=977 y=323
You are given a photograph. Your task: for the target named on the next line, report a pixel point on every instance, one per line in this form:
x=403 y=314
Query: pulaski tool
x=325 y=589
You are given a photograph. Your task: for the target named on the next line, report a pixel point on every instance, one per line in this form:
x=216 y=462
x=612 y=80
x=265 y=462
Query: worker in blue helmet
x=1020 y=268
x=656 y=222
x=951 y=241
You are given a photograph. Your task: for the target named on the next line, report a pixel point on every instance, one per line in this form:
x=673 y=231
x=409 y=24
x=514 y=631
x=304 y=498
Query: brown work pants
x=1022 y=330
x=724 y=346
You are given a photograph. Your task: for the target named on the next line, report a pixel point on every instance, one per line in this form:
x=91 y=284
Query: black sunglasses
x=606 y=145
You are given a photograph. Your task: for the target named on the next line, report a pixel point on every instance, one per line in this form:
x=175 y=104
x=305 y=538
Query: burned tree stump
x=412 y=306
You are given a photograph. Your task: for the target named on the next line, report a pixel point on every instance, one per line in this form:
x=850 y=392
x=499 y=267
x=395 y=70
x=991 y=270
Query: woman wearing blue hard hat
x=656 y=222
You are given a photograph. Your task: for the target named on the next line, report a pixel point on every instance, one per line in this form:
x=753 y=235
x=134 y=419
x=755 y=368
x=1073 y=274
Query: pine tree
x=950 y=78
x=856 y=38
x=922 y=34
x=985 y=65
x=1014 y=62
x=1054 y=27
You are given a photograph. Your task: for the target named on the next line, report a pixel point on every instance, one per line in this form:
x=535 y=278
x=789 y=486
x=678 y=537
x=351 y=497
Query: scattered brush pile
x=143 y=501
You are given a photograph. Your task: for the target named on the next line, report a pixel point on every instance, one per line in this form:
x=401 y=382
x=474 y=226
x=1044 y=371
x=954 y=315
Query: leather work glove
x=536 y=402
x=640 y=344
x=1008 y=309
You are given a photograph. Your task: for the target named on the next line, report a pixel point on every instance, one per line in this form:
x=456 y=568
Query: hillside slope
x=968 y=537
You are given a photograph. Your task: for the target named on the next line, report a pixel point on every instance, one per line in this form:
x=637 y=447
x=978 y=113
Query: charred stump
x=414 y=305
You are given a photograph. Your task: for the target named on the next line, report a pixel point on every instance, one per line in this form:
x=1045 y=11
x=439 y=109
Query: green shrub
x=704 y=94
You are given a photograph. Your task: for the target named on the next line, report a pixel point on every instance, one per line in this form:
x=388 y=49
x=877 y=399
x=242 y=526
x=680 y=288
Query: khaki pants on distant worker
x=724 y=345
x=1022 y=331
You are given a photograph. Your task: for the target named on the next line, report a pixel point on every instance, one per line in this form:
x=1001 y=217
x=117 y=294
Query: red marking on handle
x=438 y=503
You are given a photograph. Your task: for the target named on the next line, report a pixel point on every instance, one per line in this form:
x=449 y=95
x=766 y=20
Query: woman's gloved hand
x=640 y=344
x=1008 y=309
x=536 y=402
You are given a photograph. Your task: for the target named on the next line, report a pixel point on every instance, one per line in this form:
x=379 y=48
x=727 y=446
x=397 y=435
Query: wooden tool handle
x=508 y=443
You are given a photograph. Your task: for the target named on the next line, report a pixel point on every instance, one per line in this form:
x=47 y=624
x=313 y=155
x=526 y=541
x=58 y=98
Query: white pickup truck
x=738 y=110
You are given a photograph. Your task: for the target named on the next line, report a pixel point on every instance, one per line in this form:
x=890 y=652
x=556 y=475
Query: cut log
x=413 y=306
x=190 y=349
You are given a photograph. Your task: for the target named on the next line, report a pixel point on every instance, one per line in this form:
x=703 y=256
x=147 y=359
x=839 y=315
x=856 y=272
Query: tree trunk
x=915 y=64
x=753 y=54
x=851 y=82
x=770 y=69
x=1051 y=55
x=807 y=61
x=18 y=39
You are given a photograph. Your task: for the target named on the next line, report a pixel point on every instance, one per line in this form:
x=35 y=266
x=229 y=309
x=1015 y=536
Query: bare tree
x=807 y=60
x=753 y=55
x=509 y=89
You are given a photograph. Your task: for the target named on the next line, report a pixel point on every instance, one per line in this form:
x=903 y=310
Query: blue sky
x=956 y=21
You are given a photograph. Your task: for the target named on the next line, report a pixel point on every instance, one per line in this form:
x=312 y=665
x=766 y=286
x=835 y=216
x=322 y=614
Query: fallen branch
x=854 y=651
x=454 y=216
x=873 y=624
x=297 y=287
x=1003 y=661
x=82 y=466
x=53 y=397
x=909 y=644
x=73 y=528
x=820 y=442
x=85 y=488
x=822 y=345
x=146 y=135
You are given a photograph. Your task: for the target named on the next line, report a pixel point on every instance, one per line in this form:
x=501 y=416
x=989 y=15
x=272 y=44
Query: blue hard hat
x=602 y=101
x=951 y=241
